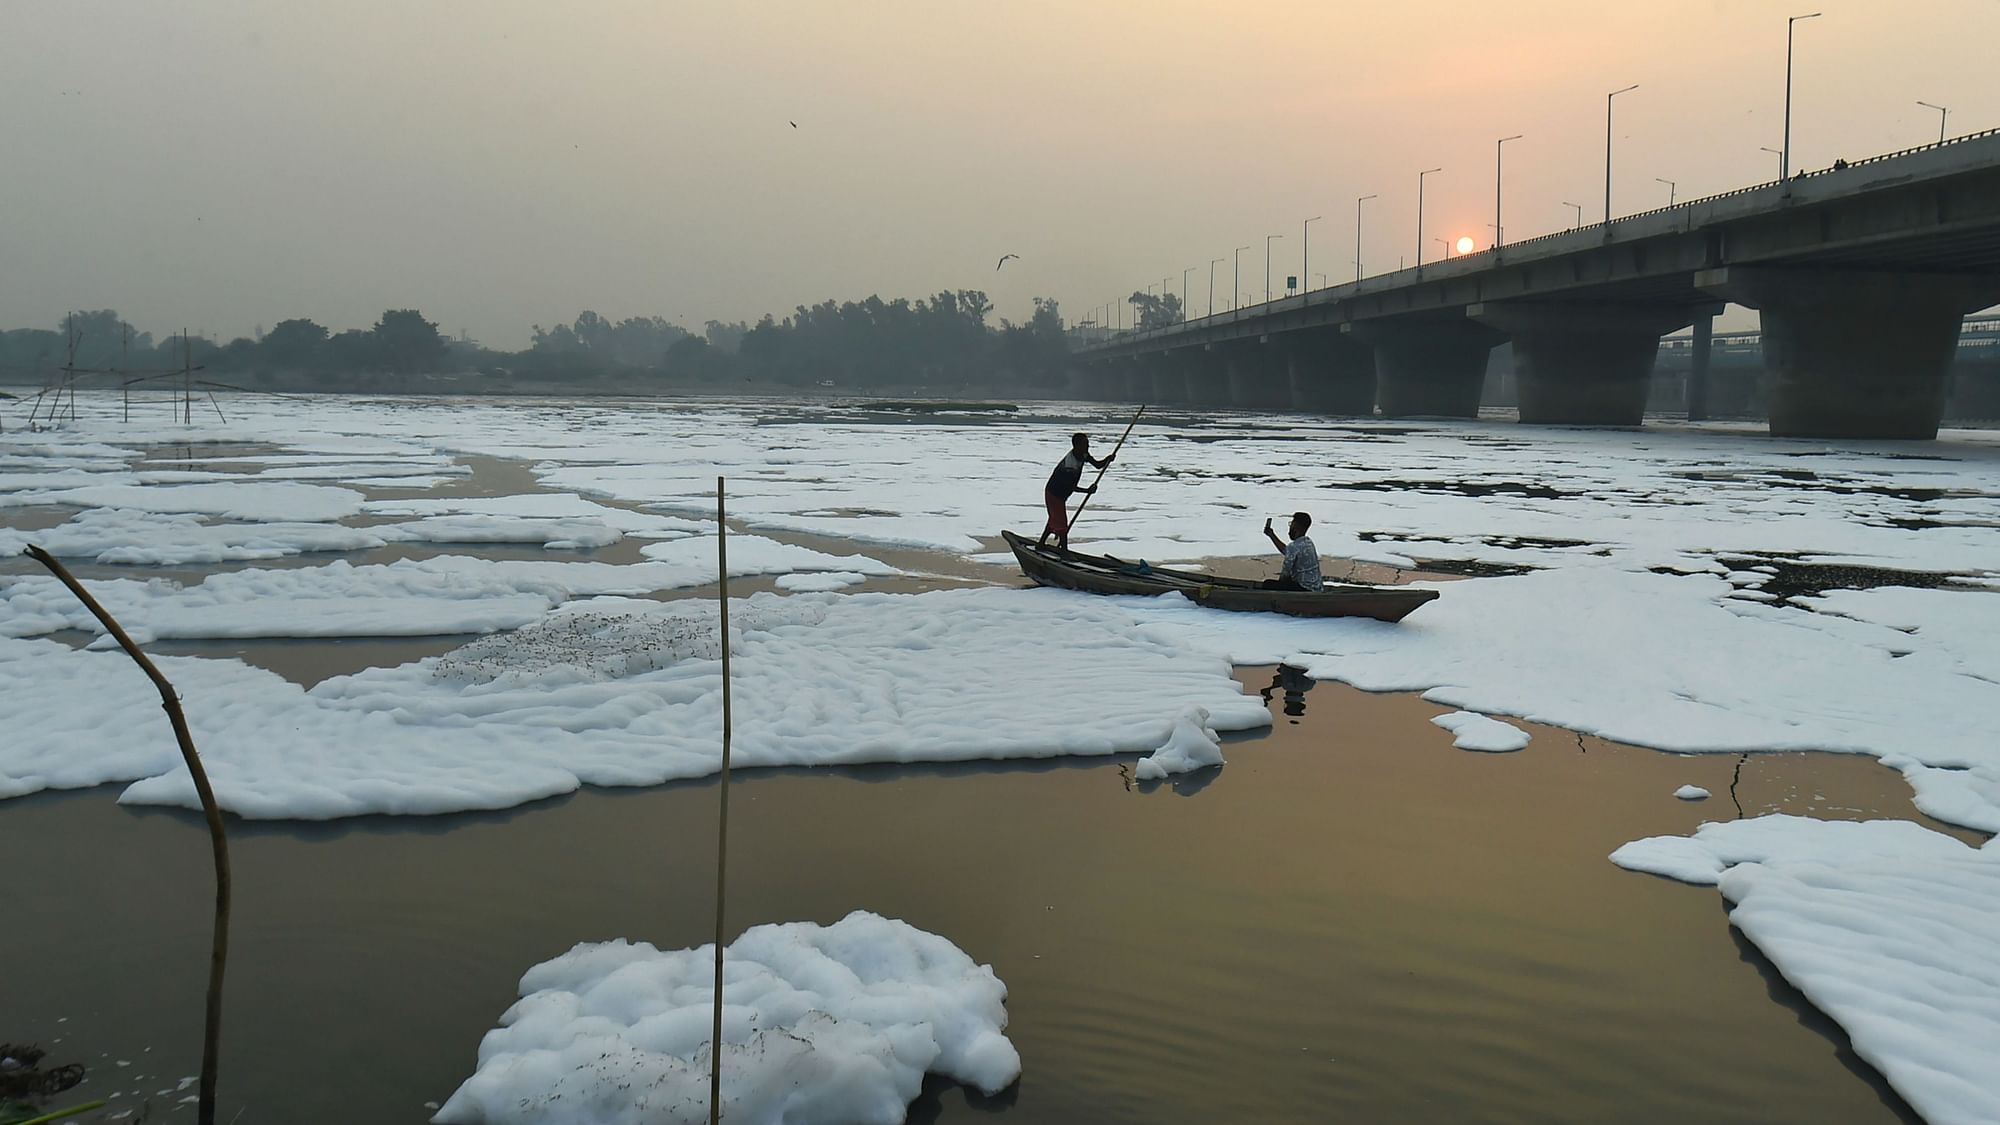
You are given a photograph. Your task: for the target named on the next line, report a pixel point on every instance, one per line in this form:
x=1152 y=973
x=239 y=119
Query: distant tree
x=690 y=358
x=240 y=354
x=1155 y=312
x=354 y=350
x=297 y=344
x=725 y=337
x=407 y=343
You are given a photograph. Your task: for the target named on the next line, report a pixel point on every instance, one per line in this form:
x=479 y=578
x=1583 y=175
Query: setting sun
x=1464 y=244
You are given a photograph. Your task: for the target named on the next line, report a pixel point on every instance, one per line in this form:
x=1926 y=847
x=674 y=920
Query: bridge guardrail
x=1124 y=335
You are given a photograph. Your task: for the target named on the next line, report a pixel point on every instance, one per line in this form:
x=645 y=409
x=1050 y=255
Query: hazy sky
x=498 y=163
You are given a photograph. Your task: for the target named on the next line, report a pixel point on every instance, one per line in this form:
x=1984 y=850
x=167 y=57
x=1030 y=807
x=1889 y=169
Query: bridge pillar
x=1853 y=353
x=1580 y=364
x=1208 y=378
x=1170 y=379
x=1103 y=381
x=1697 y=383
x=1259 y=378
x=1331 y=373
x=1429 y=368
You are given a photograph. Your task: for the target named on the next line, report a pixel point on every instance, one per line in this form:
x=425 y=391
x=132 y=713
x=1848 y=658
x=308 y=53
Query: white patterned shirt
x=1302 y=563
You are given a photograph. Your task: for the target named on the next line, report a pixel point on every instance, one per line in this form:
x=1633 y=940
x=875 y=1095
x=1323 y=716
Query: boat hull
x=1103 y=574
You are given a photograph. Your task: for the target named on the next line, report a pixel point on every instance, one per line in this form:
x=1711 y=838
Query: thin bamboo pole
x=218 y=951
x=722 y=823
x=1100 y=471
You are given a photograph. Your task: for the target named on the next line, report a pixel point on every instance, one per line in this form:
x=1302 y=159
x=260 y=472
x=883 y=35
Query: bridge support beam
x=1580 y=364
x=1331 y=373
x=1853 y=353
x=1427 y=368
x=1259 y=378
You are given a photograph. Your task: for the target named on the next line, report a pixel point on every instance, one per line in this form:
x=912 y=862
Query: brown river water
x=1350 y=921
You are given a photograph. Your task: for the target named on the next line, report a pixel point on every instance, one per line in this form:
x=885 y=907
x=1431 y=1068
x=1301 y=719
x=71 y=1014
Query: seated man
x=1301 y=568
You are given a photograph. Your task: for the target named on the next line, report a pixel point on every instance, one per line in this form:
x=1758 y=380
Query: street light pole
x=1420 y=213
x=1184 y=292
x=1607 y=147
x=1498 y=231
x=1357 y=234
x=1579 y=213
x=1268 y=239
x=1212 y=263
x=1671 y=187
x=1776 y=153
x=1942 y=114
x=1785 y=157
x=1237 y=286
x=1305 y=254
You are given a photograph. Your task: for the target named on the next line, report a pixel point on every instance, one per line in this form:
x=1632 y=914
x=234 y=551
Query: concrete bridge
x=1862 y=275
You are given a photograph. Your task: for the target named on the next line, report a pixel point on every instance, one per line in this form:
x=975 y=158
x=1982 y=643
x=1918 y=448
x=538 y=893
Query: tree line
x=945 y=339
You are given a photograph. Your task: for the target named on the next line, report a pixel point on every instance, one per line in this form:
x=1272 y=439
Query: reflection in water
x=1294 y=683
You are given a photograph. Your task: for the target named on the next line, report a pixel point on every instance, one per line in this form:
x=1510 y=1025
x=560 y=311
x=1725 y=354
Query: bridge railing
x=1699 y=201
x=1122 y=335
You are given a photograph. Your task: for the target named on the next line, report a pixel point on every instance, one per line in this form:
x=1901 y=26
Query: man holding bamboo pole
x=1064 y=482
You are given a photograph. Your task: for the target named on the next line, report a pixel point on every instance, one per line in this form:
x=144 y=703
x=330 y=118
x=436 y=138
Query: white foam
x=1480 y=732
x=1190 y=746
x=821 y=679
x=117 y=535
x=822 y=1025
x=271 y=502
x=1887 y=927
x=817 y=583
x=429 y=597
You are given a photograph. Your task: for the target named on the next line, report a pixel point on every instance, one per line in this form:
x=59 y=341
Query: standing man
x=1062 y=484
x=1301 y=568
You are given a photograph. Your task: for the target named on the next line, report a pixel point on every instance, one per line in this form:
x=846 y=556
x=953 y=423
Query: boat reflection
x=1295 y=684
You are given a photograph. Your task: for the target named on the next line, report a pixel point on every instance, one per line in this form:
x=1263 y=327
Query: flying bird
x=1003 y=261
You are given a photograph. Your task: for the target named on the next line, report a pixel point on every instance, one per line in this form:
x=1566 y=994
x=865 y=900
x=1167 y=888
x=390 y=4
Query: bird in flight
x=1003 y=261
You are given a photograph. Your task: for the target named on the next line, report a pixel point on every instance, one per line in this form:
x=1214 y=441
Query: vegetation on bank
x=944 y=340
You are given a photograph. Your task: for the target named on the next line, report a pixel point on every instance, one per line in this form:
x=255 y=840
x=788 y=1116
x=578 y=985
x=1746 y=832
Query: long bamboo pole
x=722 y=824
x=1100 y=469
x=218 y=952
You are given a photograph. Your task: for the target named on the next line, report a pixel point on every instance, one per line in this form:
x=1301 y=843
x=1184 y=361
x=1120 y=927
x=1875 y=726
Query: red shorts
x=1058 y=524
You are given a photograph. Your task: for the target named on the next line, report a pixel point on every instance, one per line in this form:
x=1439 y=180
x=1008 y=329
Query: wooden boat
x=1103 y=574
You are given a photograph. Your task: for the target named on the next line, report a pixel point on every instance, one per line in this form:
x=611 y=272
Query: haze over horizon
x=221 y=165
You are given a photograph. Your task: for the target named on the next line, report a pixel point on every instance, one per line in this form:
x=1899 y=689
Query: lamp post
x=1420 y=213
x=1268 y=239
x=1607 y=146
x=1671 y=187
x=1184 y=292
x=1305 y=254
x=1498 y=233
x=1785 y=157
x=1776 y=153
x=1578 y=207
x=1357 y=234
x=1446 y=243
x=1237 y=285
x=1212 y=263
x=1942 y=114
